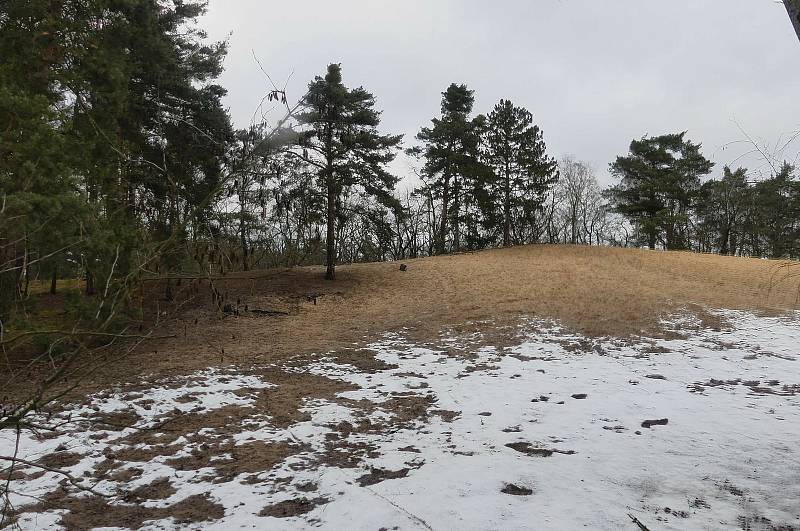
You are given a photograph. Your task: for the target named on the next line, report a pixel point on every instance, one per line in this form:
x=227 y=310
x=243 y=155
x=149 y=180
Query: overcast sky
x=594 y=73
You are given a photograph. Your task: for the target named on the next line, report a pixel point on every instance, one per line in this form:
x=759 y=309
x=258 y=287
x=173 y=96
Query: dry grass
x=598 y=291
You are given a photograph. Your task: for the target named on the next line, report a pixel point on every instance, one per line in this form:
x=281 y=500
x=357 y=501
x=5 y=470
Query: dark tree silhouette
x=340 y=138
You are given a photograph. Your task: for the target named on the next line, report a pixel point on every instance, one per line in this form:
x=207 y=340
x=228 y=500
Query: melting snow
x=508 y=441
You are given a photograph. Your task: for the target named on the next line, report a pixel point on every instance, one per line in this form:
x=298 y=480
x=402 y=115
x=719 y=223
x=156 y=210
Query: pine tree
x=41 y=210
x=522 y=172
x=722 y=205
x=341 y=140
x=112 y=120
x=776 y=213
x=450 y=147
x=659 y=179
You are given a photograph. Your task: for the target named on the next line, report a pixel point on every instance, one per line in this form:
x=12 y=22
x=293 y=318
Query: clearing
x=535 y=387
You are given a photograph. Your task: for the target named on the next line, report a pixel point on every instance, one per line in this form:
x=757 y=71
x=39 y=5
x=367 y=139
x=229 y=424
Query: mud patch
x=376 y=475
x=116 y=420
x=516 y=490
x=89 y=512
x=159 y=489
x=60 y=460
x=528 y=449
x=289 y=508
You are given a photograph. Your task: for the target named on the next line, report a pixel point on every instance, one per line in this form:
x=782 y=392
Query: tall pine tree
x=659 y=180
x=341 y=140
x=450 y=147
x=522 y=172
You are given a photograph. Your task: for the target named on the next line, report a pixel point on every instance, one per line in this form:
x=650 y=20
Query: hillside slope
x=593 y=290
x=312 y=416
x=307 y=416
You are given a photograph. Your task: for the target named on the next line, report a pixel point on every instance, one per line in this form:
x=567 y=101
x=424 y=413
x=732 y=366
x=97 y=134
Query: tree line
x=118 y=161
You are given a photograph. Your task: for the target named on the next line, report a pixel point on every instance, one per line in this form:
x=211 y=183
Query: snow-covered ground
x=546 y=431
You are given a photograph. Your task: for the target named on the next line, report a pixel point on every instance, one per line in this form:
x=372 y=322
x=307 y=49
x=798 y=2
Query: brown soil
x=158 y=489
x=294 y=507
x=89 y=512
x=516 y=490
x=60 y=459
x=528 y=449
x=376 y=475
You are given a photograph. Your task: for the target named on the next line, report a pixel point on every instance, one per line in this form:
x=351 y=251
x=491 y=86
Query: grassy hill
x=593 y=290
x=597 y=291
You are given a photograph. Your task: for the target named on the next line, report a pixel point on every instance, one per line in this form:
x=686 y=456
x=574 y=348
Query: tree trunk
x=651 y=239
x=27 y=270
x=507 y=209
x=793 y=9
x=724 y=238
x=456 y=224
x=243 y=232
x=574 y=222
x=440 y=244
x=89 y=282
x=330 y=242
x=54 y=280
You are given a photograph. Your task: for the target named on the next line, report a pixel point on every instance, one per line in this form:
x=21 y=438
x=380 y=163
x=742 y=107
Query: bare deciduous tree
x=578 y=186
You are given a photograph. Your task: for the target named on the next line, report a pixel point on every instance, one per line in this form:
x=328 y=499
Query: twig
x=108 y=283
x=83 y=333
x=7 y=488
x=69 y=476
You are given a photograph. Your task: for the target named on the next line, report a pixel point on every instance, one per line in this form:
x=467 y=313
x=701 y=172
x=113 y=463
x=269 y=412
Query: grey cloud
x=594 y=73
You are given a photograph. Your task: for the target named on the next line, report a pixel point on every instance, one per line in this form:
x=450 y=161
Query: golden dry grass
x=594 y=290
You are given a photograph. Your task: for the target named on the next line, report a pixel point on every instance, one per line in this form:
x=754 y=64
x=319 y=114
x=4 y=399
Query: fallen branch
x=75 y=483
x=77 y=334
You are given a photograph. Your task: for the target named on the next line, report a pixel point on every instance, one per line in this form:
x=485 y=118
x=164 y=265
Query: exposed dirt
x=117 y=421
x=529 y=449
x=376 y=475
x=159 y=489
x=89 y=512
x=282 y=403
x=294 y=507
x=756 y=387
x=347 y=454
x=761 y=523
x=252 y=457
x=60 y=459
x=516 y=490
